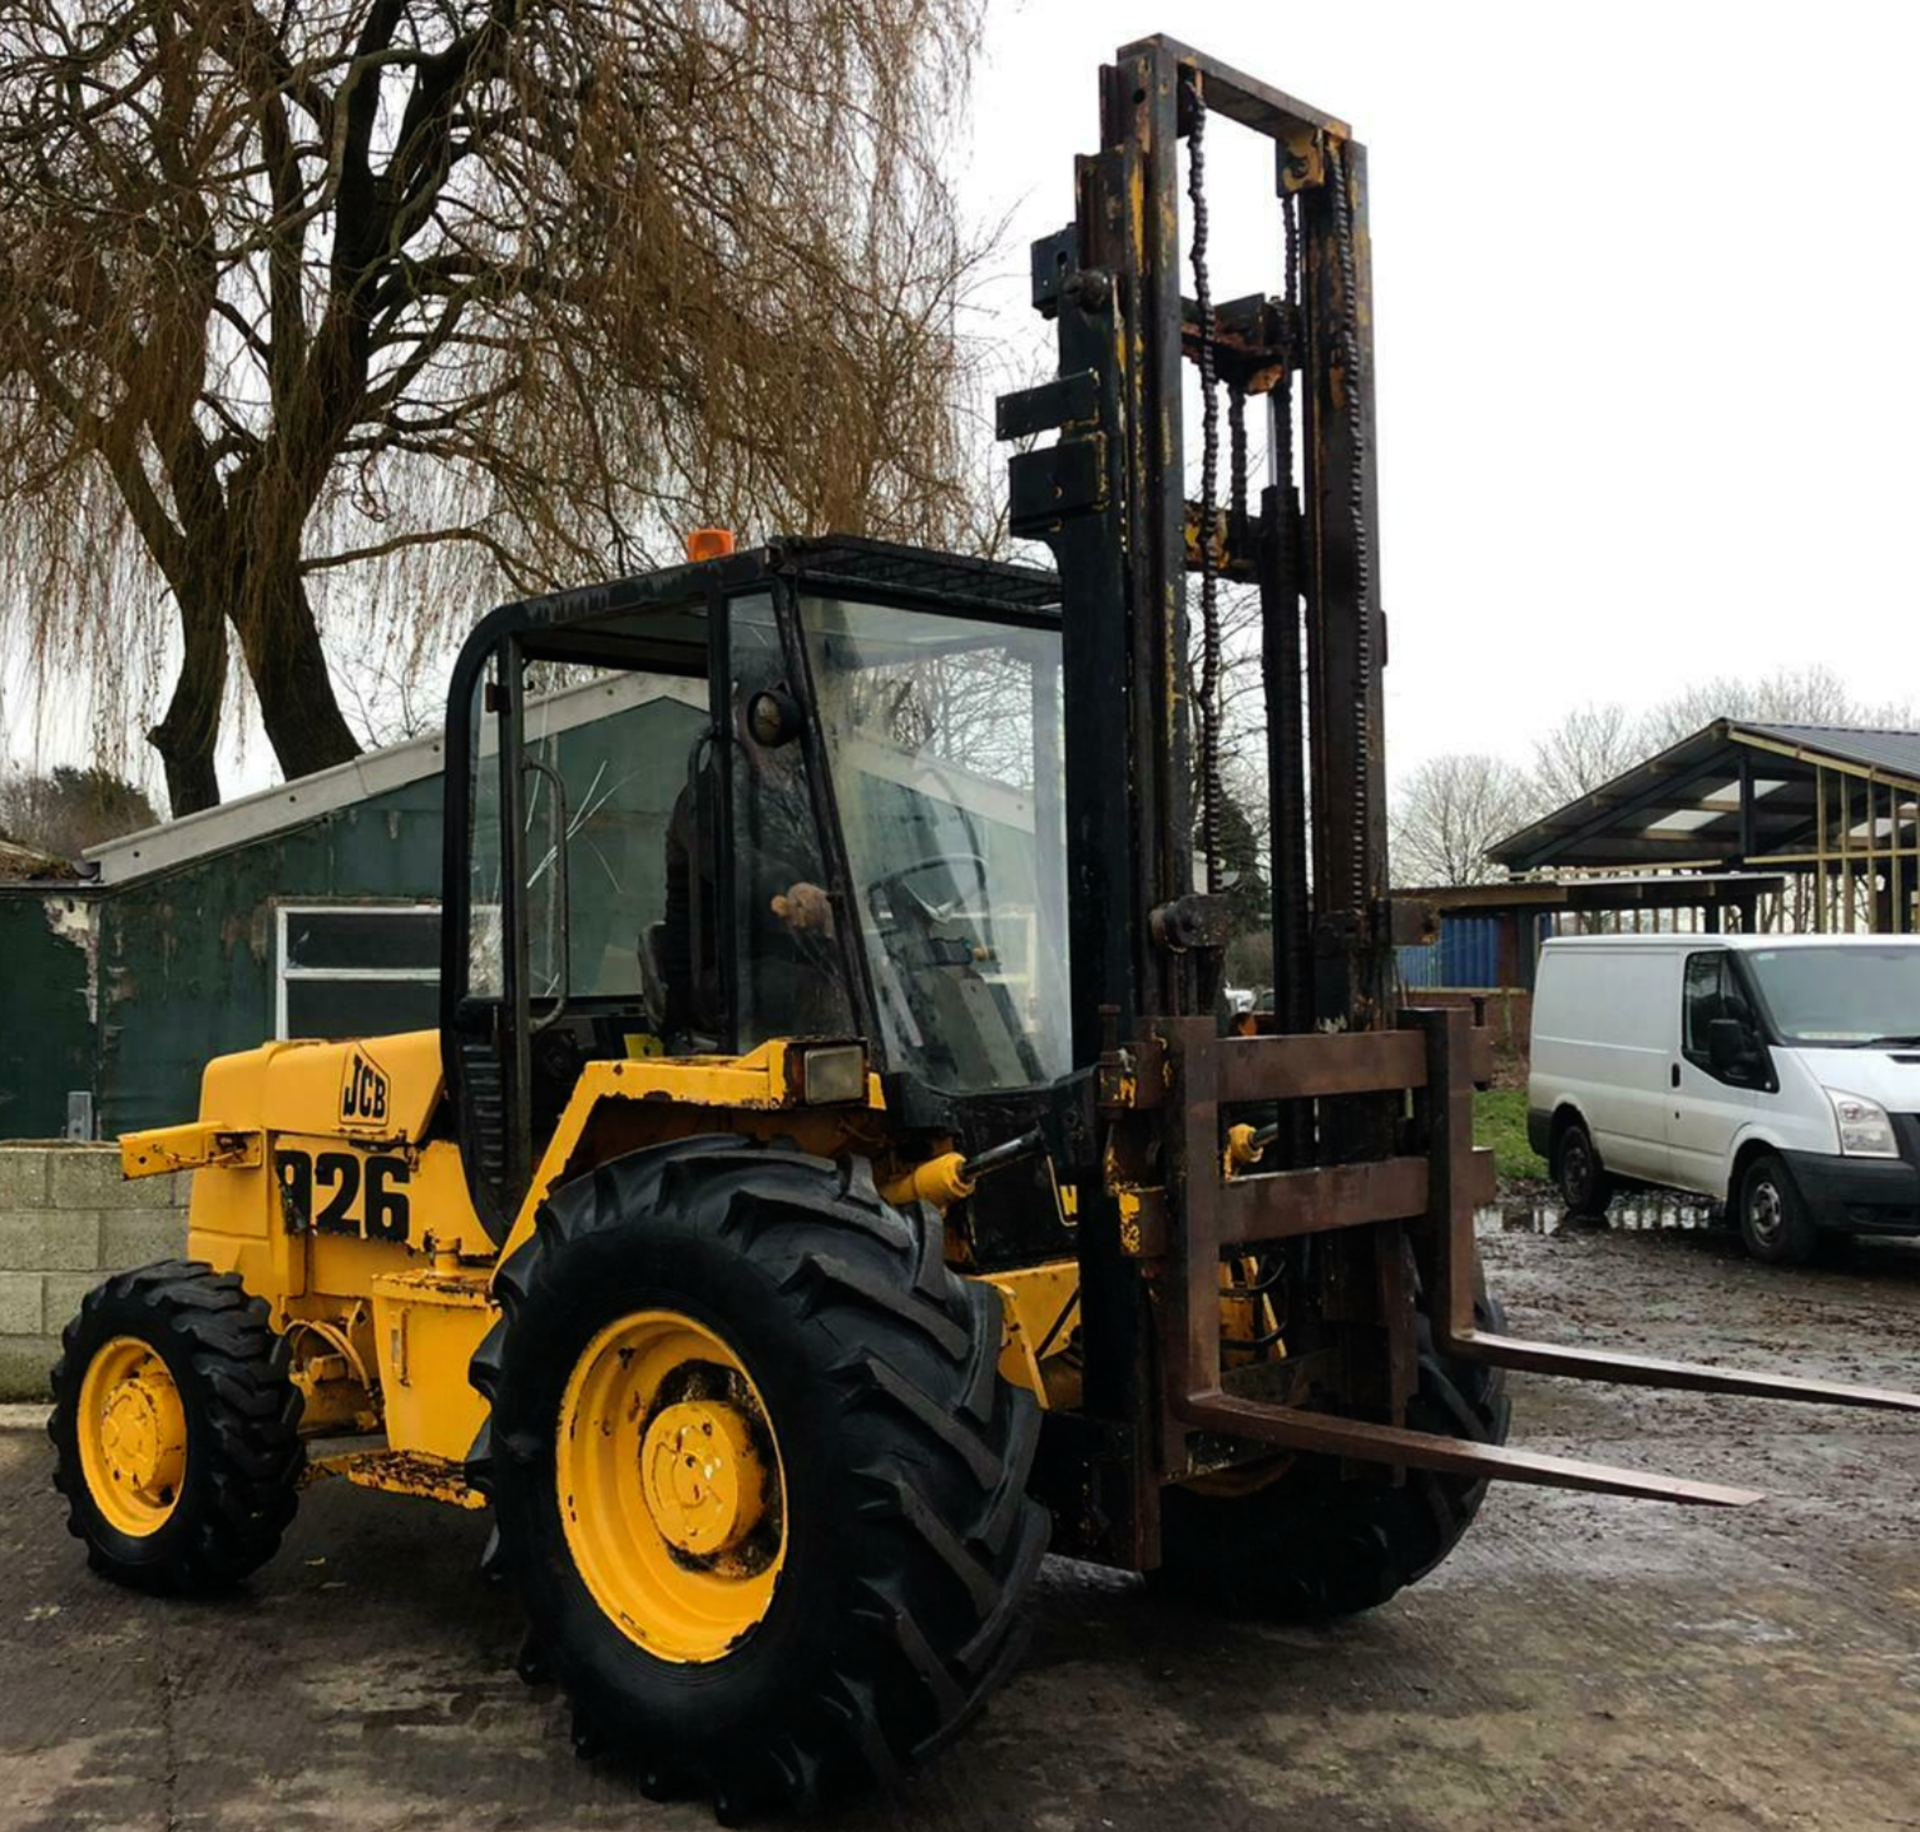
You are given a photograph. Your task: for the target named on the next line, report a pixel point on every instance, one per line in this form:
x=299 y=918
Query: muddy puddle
x=1649 y=1213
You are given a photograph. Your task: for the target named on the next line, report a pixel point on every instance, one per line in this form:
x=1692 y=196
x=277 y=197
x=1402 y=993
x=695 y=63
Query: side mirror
x=1729 y=1046
x=773 y=718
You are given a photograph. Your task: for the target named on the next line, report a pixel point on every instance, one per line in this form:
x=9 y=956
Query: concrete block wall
x=67 y=1219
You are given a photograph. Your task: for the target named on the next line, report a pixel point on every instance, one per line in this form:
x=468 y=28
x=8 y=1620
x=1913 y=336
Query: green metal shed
x=311 y=909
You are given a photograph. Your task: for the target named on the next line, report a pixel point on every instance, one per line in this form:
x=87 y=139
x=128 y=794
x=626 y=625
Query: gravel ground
x=1580 y=1662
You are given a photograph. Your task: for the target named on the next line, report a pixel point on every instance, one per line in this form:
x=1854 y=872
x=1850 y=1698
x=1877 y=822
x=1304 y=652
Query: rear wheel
x=755 y=1474
x=1774 y=1224
x=1308 y=1545
x=175 y=1429
x=1585 y=1187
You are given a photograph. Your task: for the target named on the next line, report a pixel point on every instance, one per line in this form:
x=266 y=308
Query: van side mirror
x=1729 y=1046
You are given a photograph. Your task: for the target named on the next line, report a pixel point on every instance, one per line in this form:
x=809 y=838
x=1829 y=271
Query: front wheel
x=757 y=1479
x=1309 y=1544
x=1775 y=1226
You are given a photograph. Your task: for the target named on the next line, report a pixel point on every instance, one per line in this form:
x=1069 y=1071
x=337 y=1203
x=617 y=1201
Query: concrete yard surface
x=1579 y=1663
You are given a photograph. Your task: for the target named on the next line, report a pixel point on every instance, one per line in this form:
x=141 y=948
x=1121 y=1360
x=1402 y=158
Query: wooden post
x=1450 y=1180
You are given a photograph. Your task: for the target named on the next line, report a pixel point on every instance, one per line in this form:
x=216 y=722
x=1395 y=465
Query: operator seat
x=683 y=950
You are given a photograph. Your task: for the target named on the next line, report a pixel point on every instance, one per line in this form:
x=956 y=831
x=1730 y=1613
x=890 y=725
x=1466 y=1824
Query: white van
x=1777 y=1073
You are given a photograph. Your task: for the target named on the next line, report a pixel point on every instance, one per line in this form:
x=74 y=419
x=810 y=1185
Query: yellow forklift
x=830 y=1183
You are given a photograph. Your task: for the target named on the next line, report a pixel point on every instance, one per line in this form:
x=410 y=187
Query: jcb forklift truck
x=830 y=1183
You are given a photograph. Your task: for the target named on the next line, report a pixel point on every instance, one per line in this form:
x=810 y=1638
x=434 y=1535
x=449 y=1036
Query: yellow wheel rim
x=671 y=1490
x=133 y=1436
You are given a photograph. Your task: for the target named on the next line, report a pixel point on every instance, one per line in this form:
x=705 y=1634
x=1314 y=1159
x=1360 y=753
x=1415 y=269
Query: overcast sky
x=1647 y=370
x=1645 y=300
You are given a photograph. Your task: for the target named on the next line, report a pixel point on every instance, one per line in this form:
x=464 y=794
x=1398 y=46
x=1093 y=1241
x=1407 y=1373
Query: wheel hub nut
x=140 y=1449
x=703 y=1480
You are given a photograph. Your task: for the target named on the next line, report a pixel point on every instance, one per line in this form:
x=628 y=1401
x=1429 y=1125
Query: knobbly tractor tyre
x=756 y=1478
x=175 y=1429
x=1293 y=1541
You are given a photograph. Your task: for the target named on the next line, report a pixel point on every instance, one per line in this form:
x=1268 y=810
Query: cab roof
x=834 y=562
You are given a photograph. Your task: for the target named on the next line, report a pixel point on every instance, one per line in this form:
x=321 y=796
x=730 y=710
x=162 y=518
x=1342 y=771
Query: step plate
x=401 y=1472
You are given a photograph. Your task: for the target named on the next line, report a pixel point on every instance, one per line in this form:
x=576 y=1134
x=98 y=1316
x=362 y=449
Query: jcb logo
x=363 y=1092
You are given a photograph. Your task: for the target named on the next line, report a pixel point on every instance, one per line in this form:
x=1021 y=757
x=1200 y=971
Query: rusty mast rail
x=1241 y=97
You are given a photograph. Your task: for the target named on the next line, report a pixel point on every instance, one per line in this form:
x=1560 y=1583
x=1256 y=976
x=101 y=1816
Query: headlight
x=833 y=1074
x=1865 y=1130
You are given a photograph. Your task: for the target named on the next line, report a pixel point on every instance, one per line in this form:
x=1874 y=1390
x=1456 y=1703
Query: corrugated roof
x=1681 y=807
x=1878 y=747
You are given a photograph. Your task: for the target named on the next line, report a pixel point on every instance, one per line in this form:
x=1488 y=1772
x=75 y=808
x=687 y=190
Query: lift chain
x=1237 y=459
x=1281 y=465
x=1209 y=693
x=1357 y=515
x=1290 y=219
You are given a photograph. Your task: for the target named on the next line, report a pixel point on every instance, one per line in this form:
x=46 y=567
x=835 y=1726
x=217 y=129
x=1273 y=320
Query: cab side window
x=791 y=978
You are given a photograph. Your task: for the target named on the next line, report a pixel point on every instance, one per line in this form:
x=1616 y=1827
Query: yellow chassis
x=318 y=1180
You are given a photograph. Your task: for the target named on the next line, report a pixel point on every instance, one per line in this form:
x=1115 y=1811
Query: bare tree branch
x=1449 y=811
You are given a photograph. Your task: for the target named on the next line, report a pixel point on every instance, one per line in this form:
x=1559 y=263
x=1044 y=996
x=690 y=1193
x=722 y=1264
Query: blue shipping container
x=1466 y=955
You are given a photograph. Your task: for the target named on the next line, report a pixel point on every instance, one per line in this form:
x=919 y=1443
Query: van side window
x=1713 y=990
x=1703 y=999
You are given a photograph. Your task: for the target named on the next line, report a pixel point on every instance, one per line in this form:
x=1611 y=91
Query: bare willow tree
x=336 y=316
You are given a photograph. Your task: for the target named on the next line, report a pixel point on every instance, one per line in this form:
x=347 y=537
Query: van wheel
x=1584 y=1184
x=1774 y=1224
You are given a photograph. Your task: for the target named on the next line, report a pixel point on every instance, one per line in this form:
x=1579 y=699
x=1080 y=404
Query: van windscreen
x=1845 y=998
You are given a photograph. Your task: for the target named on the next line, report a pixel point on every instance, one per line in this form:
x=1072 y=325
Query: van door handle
x=1674 y=1072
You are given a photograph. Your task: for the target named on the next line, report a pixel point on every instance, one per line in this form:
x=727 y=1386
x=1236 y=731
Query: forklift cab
x=810 y=790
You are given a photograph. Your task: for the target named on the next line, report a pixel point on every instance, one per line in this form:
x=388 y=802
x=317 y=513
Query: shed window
x=358 y=969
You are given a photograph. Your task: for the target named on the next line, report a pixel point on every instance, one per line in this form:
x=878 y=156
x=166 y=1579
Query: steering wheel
x=881 y=889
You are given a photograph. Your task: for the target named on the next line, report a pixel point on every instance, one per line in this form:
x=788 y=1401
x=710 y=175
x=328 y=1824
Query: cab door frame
x=500 y=1028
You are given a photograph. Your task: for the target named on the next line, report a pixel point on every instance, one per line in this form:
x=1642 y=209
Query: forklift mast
x=1109 y=497
x=1359 y=1202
